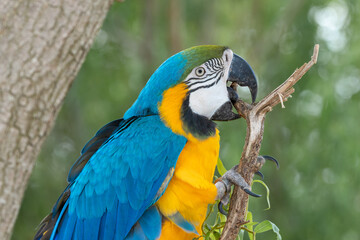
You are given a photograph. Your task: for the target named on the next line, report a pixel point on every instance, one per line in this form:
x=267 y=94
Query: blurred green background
x=316 y=193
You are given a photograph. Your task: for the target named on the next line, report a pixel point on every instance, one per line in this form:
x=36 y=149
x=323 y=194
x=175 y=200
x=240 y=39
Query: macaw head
x=189 y=90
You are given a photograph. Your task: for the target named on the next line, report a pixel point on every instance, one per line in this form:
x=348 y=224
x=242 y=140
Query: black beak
x=242 y=74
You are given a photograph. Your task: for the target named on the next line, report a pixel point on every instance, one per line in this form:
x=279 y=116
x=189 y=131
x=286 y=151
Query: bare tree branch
x=255 y=117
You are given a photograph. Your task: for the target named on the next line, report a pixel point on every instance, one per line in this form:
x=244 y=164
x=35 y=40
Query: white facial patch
x=207 y=85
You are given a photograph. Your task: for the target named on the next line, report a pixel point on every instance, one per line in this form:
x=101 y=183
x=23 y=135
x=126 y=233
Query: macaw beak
x=242 y=74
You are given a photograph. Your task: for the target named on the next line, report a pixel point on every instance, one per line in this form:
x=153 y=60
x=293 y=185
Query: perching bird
x=150 y=174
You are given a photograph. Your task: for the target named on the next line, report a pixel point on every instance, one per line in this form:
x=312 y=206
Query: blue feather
x=79 y=229
x=179 y=220
x=121 y=194
x=91 y=228
x=67 y=227
x=150 y=223
x=167 y=75
x=136 y=233
x=122 y=227
x=102 y=226
x=110 y=198
x=109 y=224
x=60 y=218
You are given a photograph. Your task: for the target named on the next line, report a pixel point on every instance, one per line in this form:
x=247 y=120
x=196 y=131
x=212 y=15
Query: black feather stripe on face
x=214 y=72
x=199 y=126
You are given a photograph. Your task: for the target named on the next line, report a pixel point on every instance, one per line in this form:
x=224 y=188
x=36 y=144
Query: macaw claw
x=262 y=160
x=260 y=174
x=221 y=209
x=251 y=193
x=269 y=158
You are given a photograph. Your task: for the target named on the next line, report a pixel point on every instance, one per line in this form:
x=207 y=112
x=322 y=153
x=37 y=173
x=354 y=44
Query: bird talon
x=251 y=193
x=260 y=174
x=221 y=209
x=265 y=157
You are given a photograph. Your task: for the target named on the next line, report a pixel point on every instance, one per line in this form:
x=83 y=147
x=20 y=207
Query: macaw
x=150 y=174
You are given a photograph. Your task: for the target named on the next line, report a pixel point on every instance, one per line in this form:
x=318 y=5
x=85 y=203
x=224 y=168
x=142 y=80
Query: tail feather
x=45 y=228
x=47 y=225
x=66 y=227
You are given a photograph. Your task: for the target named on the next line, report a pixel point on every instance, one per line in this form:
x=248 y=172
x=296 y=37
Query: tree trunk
x=43 y=44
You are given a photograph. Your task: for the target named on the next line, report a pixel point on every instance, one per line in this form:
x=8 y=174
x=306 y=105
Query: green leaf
x=264 y=226
x=240 y=236
x=249 y=216
x=222 y=217
x=216 y=235
x=207 y=227
x=211 y=209
x=249 y=225
x=220 y=167
x=267 y=225
x=267 y=192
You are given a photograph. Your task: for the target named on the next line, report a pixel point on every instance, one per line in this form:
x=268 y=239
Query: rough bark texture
x=255 y=118
x=43 y=43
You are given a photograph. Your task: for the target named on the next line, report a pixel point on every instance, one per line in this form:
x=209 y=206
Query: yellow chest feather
x=191 y=188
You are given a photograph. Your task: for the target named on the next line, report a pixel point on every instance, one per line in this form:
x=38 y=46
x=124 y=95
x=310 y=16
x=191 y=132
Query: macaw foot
x=232 y=177
x=223 y=185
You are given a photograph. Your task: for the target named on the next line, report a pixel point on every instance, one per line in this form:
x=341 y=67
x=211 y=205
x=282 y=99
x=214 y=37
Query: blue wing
x=111 y=192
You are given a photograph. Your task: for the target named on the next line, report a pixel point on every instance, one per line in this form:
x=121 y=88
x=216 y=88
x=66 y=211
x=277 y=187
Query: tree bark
x=43 y=44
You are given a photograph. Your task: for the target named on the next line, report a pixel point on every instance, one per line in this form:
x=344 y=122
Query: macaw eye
x=200 y=71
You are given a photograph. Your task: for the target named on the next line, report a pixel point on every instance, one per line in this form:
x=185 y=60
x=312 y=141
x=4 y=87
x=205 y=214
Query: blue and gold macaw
x=150 y=174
